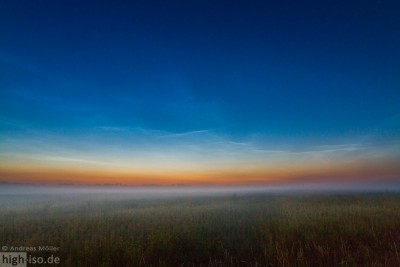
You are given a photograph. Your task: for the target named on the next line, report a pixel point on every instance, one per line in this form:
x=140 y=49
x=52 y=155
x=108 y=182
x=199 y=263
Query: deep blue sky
x=293 y=70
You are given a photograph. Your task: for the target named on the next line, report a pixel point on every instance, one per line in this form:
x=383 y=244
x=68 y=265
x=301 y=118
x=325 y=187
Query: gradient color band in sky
x=220 y=92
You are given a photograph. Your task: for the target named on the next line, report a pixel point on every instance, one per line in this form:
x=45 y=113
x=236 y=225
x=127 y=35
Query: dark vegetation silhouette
x=252 y=230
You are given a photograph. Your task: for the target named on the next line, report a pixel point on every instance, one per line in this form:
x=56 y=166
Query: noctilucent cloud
x=199 y=92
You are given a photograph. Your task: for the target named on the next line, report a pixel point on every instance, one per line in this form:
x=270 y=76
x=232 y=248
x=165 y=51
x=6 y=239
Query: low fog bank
x=68 y=198
x=148 y=192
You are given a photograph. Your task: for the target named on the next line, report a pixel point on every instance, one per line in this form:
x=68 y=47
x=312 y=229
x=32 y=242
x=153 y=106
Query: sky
x=199 y=92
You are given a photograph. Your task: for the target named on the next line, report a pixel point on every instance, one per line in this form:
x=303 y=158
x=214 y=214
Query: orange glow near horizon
x=365 y=171
x=189 y=159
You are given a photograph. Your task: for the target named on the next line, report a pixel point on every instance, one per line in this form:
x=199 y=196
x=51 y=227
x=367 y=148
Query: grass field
x=228 y=230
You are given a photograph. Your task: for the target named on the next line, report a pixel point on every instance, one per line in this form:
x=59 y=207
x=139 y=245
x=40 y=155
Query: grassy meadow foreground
x=340 y=229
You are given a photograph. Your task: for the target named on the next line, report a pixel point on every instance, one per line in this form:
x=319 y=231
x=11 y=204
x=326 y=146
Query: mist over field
x=308 y=225
x=182 y=190
x=78 y=194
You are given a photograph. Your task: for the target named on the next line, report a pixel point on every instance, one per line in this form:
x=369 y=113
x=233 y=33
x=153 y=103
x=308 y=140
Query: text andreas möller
x=32 y=249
